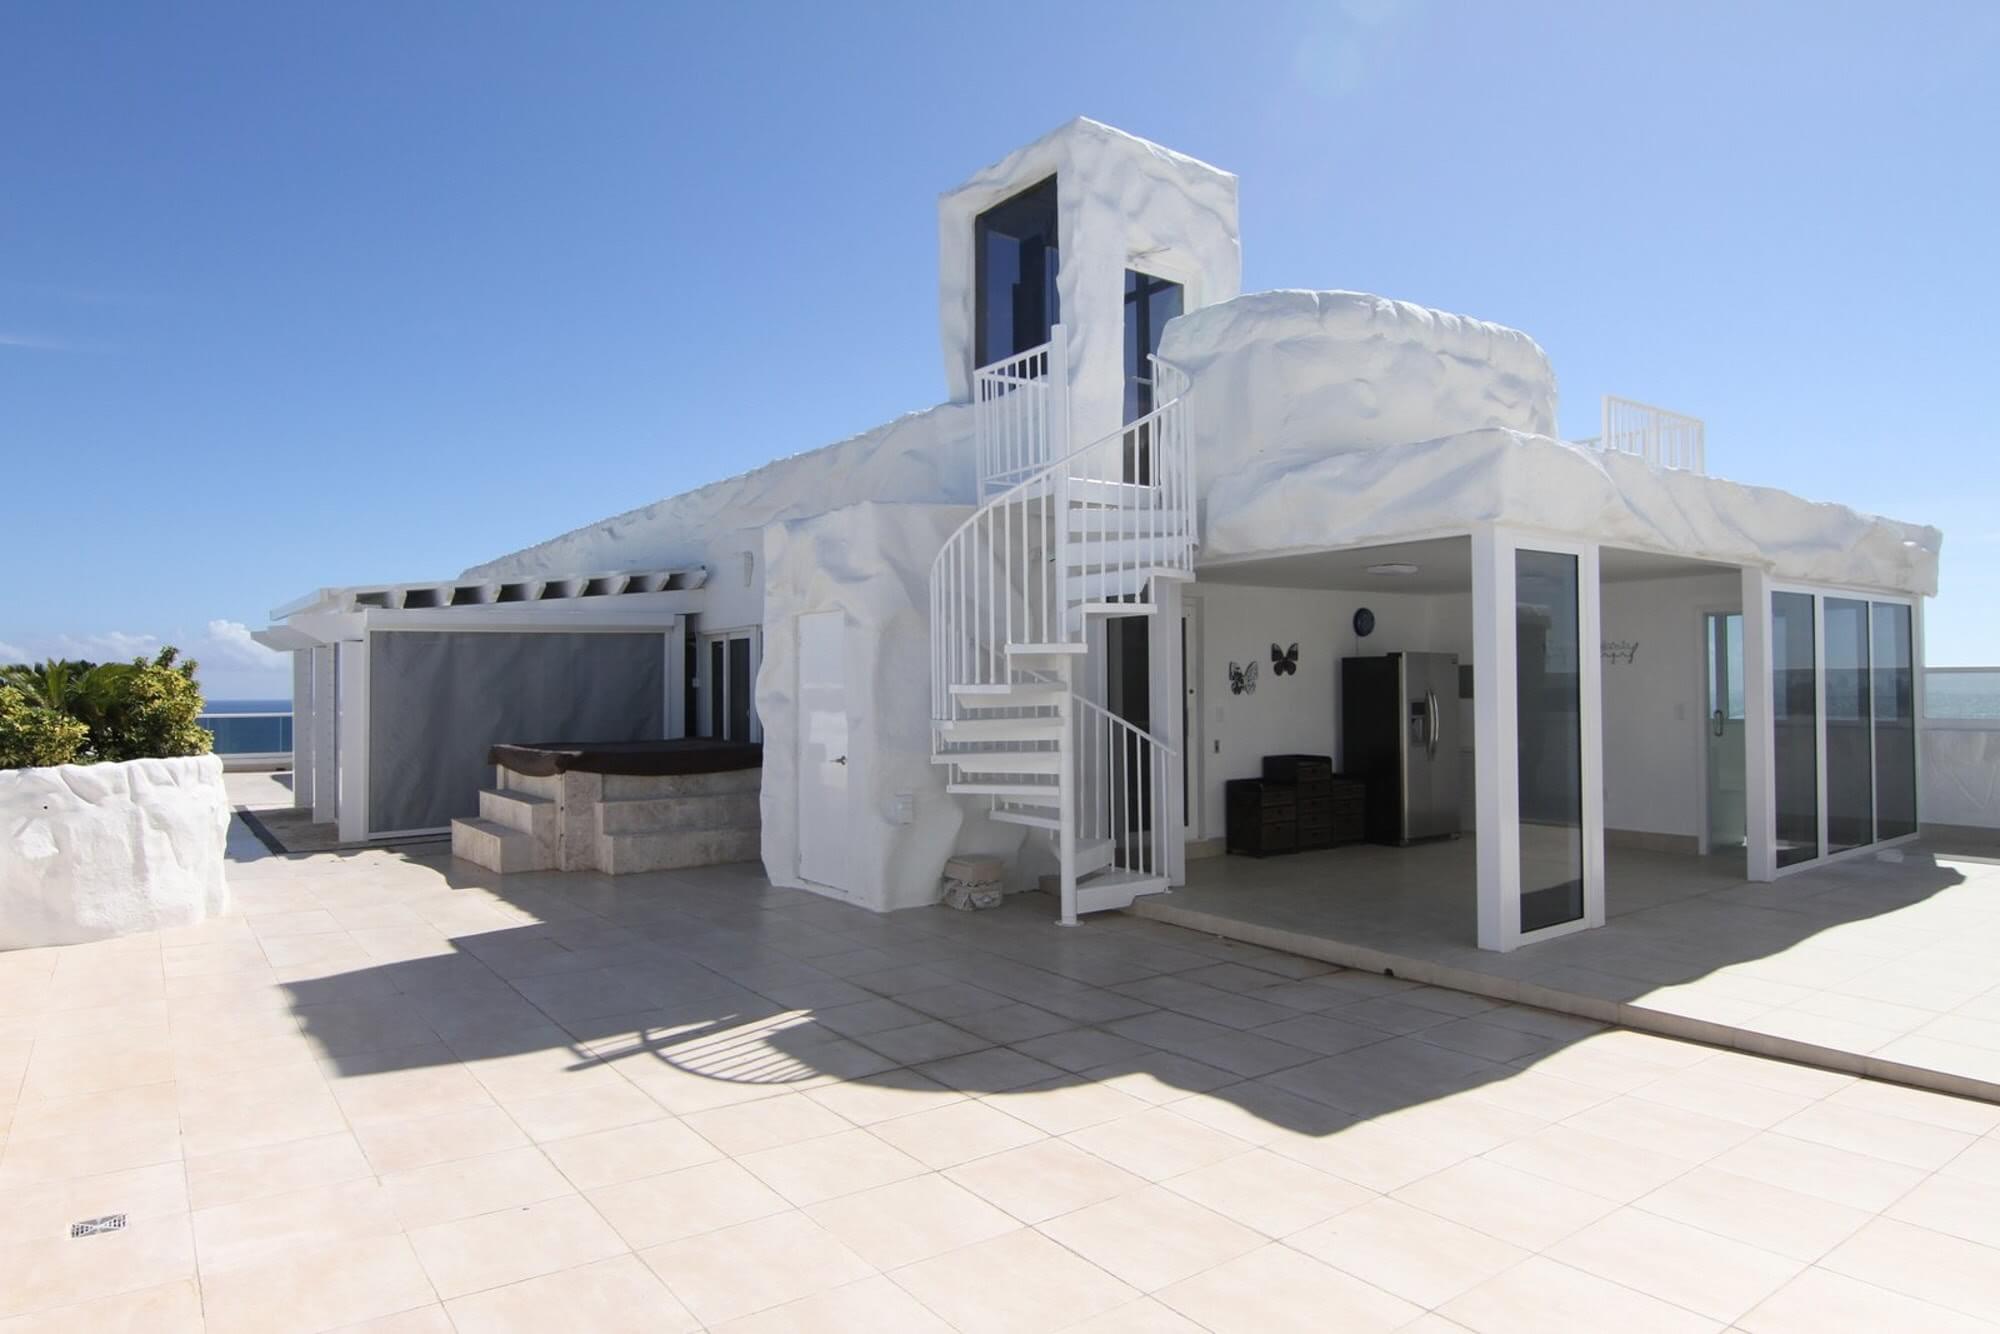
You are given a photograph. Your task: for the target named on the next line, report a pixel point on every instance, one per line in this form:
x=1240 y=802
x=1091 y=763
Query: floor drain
x=90 y=1227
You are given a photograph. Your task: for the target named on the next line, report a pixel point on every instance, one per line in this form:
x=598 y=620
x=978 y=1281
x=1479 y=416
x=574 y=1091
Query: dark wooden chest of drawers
x=1262 y=817
x=1299 y=804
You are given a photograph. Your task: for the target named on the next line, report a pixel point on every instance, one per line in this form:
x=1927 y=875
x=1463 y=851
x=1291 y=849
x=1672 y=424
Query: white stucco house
x=1125 y=560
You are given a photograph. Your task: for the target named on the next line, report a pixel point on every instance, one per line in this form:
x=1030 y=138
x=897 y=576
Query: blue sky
x=294 y=295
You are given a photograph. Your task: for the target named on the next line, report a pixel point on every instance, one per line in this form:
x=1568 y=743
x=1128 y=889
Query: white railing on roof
x=1092 y=527
x=1011 y=419
x=1662 y=438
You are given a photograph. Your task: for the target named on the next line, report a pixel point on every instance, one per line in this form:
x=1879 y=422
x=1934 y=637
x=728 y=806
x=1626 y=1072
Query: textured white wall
x=1122 y=203
x=1292 y=373
x=1300 y=501
x=923 y=457
x=90 y=851
x=871 y=563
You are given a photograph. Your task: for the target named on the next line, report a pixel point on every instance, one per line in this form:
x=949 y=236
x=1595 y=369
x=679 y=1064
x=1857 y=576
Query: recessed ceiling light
x=1395 y=568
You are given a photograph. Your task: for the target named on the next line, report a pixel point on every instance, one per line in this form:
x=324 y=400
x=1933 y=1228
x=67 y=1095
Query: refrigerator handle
x=1431 y=702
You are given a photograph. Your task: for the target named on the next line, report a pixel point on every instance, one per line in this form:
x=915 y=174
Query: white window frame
x=1496 y=730
x=705 y=682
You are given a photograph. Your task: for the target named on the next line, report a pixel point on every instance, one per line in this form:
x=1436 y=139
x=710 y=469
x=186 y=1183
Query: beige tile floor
x=1885 y=964
x=393 y=1093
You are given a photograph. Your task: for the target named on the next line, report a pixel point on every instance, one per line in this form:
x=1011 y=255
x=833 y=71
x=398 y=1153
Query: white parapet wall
x=1960 y=769
x=90 y=851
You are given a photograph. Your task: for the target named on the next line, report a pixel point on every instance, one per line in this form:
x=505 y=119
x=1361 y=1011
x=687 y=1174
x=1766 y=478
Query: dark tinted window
x=1014 y=261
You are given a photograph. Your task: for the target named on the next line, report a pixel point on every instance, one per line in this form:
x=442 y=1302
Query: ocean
x=249 y=726
x=1961 y=693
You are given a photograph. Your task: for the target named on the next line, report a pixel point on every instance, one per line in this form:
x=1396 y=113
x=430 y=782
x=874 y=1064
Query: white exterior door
x=823 y=748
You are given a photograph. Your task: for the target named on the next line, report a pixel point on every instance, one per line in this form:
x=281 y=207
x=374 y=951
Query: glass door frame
x=706 y=686
x=1705 y=825
x=1496 y=734
x=1819 y=593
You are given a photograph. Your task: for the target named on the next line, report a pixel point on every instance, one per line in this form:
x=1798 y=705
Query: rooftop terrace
x=394 y=1095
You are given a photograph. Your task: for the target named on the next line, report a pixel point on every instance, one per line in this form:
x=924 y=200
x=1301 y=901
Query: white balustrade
x=1662 y=438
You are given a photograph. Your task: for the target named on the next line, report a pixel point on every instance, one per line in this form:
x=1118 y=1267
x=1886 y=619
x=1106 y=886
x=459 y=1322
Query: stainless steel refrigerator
x=1399 y=735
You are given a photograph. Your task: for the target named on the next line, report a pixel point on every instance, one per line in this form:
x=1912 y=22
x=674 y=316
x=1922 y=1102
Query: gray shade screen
x=437 y=700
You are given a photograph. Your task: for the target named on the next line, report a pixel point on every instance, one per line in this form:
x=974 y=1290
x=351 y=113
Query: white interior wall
x=1299 y=713
x=1655 y=705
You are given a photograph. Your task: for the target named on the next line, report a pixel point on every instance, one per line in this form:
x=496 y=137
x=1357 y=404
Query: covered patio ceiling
x=1443 y=565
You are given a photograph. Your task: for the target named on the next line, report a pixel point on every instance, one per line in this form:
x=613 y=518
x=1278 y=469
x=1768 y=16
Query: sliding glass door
x=1843 y=693
x=1850 y=740
x=1894 y=675
x=1795 y=724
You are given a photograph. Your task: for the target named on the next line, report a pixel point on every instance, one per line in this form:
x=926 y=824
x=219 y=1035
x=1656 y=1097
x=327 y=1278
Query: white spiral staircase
x=1062 y=539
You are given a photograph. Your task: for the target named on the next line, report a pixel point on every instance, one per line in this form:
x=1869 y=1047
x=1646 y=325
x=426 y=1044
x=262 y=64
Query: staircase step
x=1108 y=585
x=1104 y=522
x=1018 y=694
x=1111 y=495
x=1048 y=822
x=1046 y=650
x=1027 y=794
x=1001 y=729
x=1091 y=555
x=1001 y=761
x=498 y=848
x=1093 y=855
x=1116 y=889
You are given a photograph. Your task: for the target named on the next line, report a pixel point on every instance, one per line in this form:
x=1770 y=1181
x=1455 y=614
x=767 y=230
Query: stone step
x=624 y=854
x=663 y=815
x=498 y=848
x=532 y=815
x=628 y=787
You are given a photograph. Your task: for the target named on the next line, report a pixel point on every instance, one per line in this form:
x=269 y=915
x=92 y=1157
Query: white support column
x=1496 y=777
x=326 y=735
x=1590 y=703
x=676 y=678
x=1918 y=655
x=302 y=729
x=1163 y=657
x=1760 y=800
x=354 y=740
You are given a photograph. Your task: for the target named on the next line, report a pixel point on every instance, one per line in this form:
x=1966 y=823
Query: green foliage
x=118 y=711
x=32 y=736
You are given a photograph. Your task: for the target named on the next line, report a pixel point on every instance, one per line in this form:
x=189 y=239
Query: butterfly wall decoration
x=1243 y=678
x=1284 y=661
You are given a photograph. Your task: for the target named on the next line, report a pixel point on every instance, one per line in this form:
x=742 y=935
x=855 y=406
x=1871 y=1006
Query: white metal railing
x=1124 y=792
x=1662 y=438
x=1094 y=526
x=1012 y=410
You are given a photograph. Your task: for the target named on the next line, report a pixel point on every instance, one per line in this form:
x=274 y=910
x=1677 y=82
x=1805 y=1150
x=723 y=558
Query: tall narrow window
x=1548 y=682
x=1795 y=726
x=1850 y=745
x=1149 y=303
x=1014 y=257
x=739 y=689
x=1895 y=709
